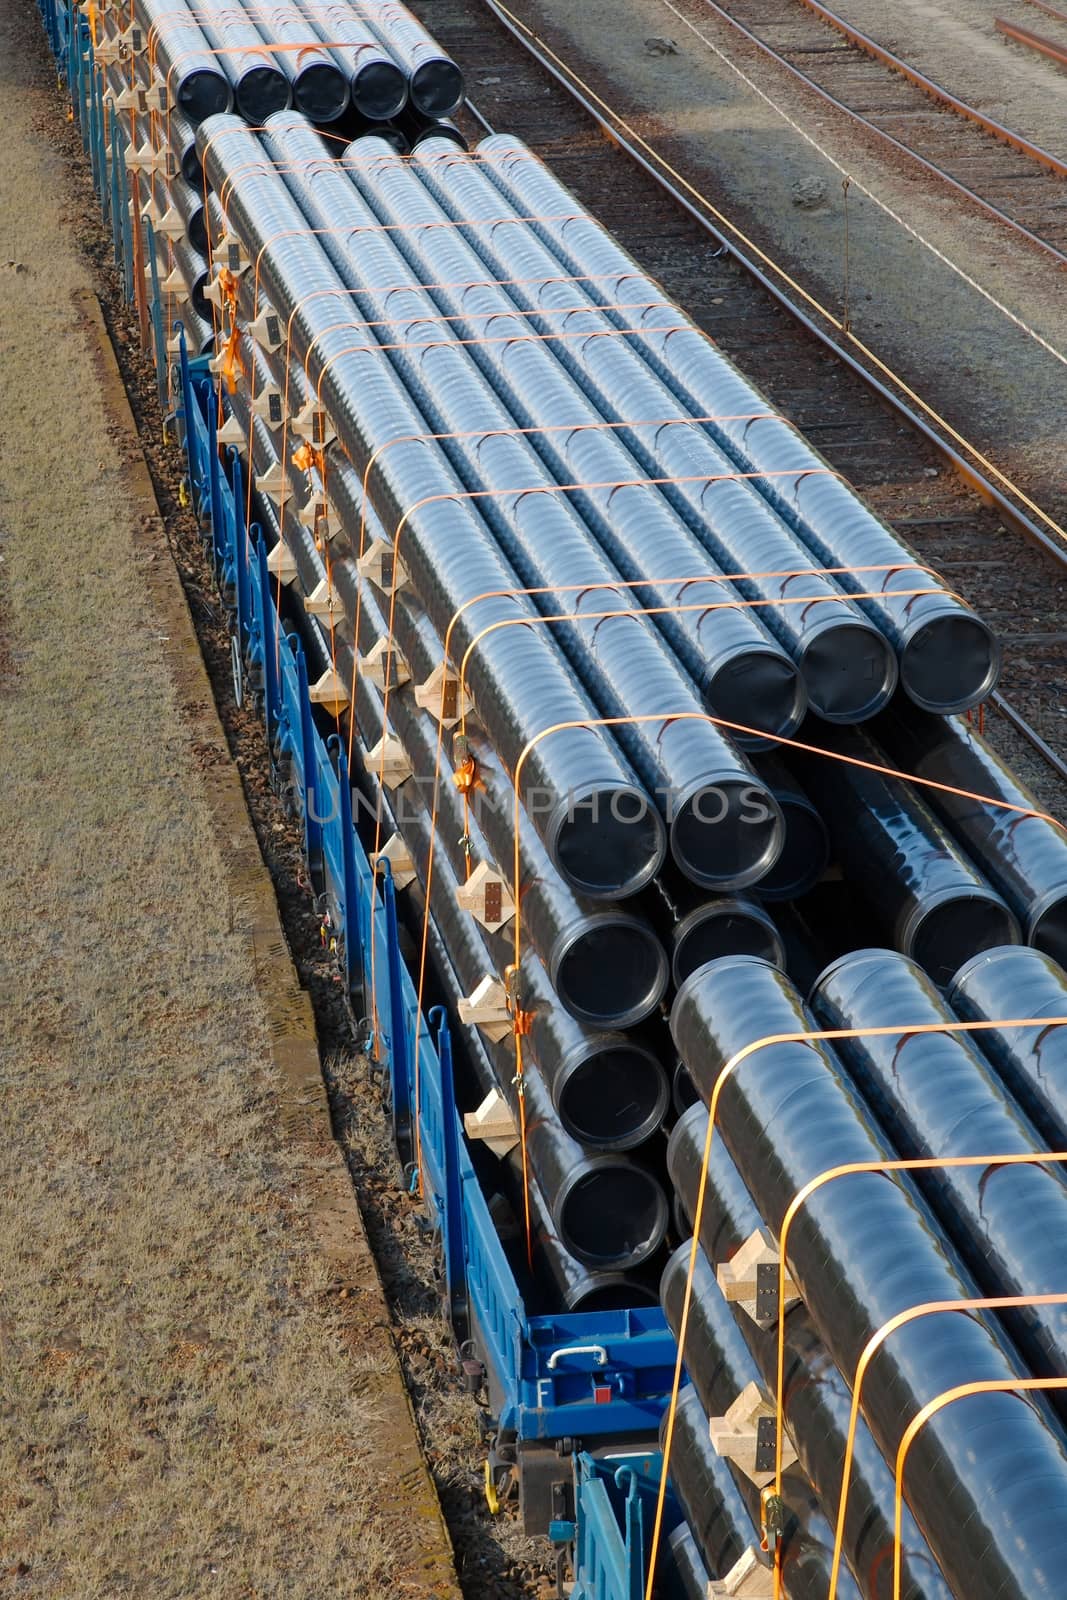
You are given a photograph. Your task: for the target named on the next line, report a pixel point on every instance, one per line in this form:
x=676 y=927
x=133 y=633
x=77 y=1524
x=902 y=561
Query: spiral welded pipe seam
x=517 y=678
x=435 y=82
x=816 y=1398
x=848 y=668
x=378 y=86
x=741 y=672
x=701 y=784
x=721 y=1367
x=195 y=78
x=949 y=657
x=930 y=900
x=558 y=924
x=319 y=87
x=862 y=1252
x=1025 y=858
x=259 y=84
x=935 y=1096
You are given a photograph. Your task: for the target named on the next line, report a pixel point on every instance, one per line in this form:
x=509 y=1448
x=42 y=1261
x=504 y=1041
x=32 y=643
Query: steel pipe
x=571 y=1285
x=861 y=1252
x=188 y=202
x=806 y=852
x=435 y=83
x=180 y=51
x=378 y=86
x=816 y=1399
x=724 y=829
x=688 y=1574
x=1025 y=858
x=847 y=668
x=1020 y=982
x=949 y=657
x=318 y=83
x=260 y=87
x=606 y=1210
x=419 y=127
x=695 y=928
x=741 y=672
x=935 y=1096
x=574 y=783
x=927 y=898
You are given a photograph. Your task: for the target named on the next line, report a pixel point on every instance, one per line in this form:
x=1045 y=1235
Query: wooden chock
x=319 y=518
x=487 y=897
x=267 y=330
x=396 y=852
x=281 y=563
x=378 y=564
x=747 y=1436
x=750 y=1578
x=324 y=601
x=389 y=761
x=170 y=224
x=750 y=1279
x=272 y=482
x=312 y=423
x=229 y=253
x=268 y=405
x=329 y=691
x=493 y=1124
x=486 y=1007
x=231 y=432
x=375 y=662
x=440 y=696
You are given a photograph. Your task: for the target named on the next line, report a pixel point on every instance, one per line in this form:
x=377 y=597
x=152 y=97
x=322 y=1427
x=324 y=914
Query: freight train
x=706 y=1014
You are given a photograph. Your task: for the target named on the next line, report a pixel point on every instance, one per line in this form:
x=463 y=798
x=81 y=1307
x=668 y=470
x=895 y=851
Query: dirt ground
x=989 y=378
x=955 y=43
x=199 y=1393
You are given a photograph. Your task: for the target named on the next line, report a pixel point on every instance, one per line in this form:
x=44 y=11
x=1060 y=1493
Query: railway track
x=996 y=558
x=989 y=165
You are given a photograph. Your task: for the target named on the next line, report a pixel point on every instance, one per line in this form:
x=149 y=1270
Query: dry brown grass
x=180 y=1413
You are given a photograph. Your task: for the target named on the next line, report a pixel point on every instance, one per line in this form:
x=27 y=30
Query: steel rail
x=963 y=189
x=1051 y=11
x=970 y=475
x=871 y=47
x=1034 y=41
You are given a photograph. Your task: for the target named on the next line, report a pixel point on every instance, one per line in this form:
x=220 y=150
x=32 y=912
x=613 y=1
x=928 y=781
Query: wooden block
x=268 y=405
x=229 y=253
x=319 y=516
x=324 y=601
x=487 y=897
x=312 y=423
x=378 y=564
x=329 y=691
x=486 y=1007
x=746 y=1436
x=375 y=665
x=170 y=224
x=281 y=563
x=750 y=1279
x=268 y=330
x=748 y=1579
x=440 y=696
x=272 y=482
x=388 y=761
x=396 y=852
x=493 y=1124
x=231 y=432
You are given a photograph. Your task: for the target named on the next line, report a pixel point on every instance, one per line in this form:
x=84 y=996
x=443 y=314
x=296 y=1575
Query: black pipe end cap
x=320 y=92
x=437 y=87
x=379 y=90
x=204 y=93
x=261 y=92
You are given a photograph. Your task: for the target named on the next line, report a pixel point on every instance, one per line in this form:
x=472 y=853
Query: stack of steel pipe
x=553 y=663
